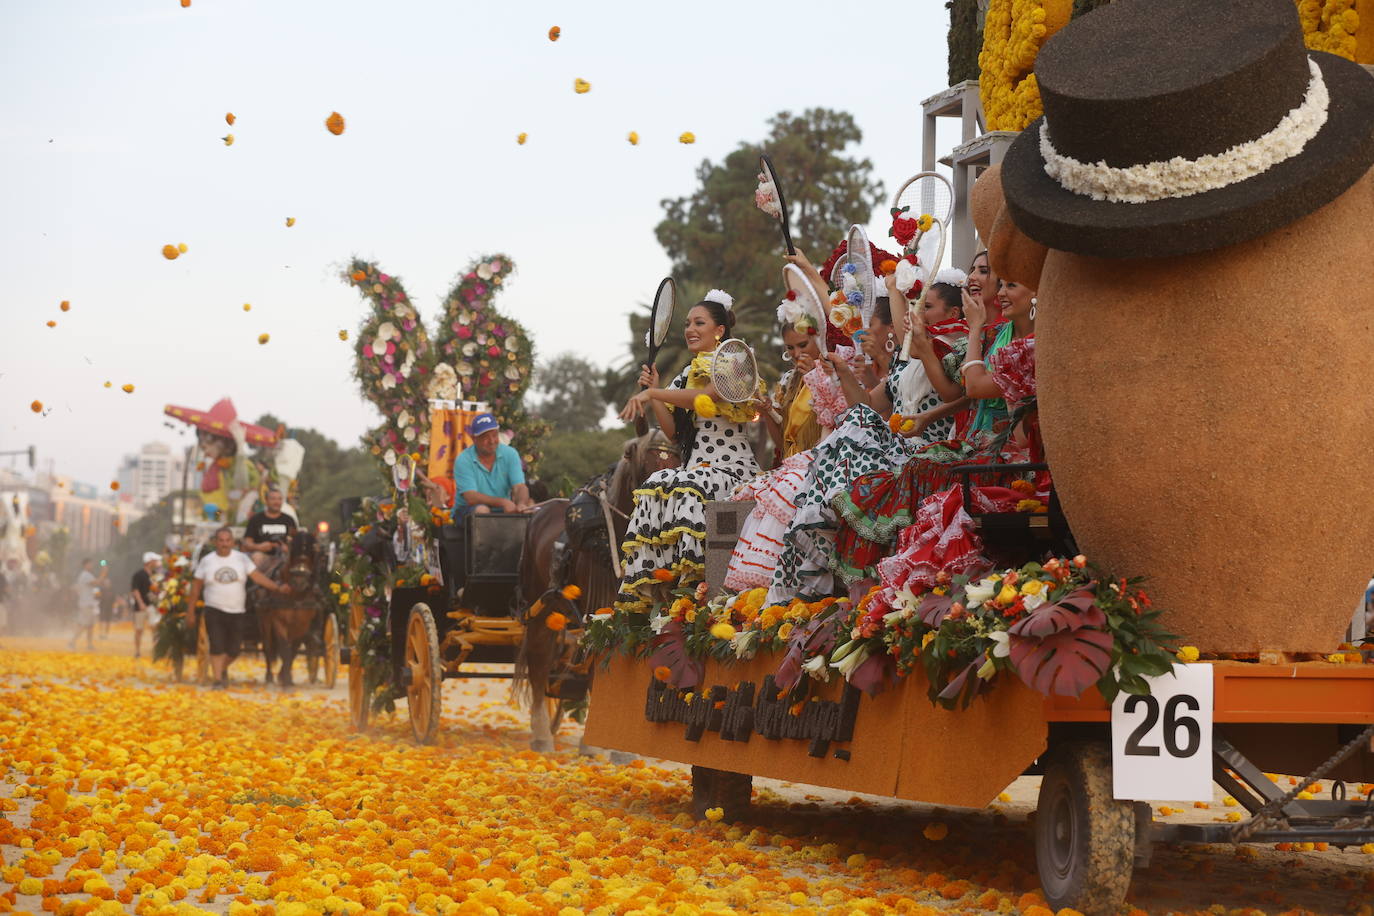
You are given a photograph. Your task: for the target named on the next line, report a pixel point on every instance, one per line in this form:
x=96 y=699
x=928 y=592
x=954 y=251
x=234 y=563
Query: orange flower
x=64 y=305
x=571 y=592
x=521 y=137
x=888 y=266
x=663 y=575
x=290 y=221
x=358 y=276
x=554 y=33
x=662 y=673
x=581 y=86
x=894 y=423
x=334 y=123
x=52 y=324
x=1023 y=486
x=170 y=252
x=343 y=335
x=230 y=119
x=128 y=389
x=556 y=621
x=36 y=407
x=263 y=338
x=687 y=137
x=114 y=485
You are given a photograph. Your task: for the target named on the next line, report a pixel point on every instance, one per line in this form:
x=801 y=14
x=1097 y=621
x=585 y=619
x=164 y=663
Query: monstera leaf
x=815 y=637
x=397 y=365
x=1065 y=663
x=1072 y=612
x=670 y=651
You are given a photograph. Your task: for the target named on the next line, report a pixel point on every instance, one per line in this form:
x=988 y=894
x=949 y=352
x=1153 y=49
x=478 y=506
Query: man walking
x=222 y=577
x=141 y=593
x=87 y=604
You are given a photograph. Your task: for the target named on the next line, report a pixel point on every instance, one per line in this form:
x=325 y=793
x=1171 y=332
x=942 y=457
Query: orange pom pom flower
x=334 y=123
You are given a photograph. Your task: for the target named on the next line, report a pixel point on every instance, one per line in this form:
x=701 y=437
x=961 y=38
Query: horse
x=285 y=620
x=591 y=565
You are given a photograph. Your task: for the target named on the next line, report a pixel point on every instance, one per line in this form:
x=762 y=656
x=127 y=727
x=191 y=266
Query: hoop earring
x=1032 y=311
x=890 y=346
x=786 y=356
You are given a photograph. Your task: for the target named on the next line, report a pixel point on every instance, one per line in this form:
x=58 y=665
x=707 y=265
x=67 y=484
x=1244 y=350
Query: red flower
x=903 y=230
x=493 y=350
x=791 y=295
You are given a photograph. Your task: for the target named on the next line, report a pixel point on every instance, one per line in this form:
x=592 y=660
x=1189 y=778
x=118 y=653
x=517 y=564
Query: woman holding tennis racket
x=664 y=544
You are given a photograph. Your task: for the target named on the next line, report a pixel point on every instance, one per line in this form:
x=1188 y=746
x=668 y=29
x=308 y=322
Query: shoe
x=217 y=685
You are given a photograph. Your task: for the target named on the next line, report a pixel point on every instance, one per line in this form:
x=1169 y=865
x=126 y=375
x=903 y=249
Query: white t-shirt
x=85 y=590
x=226 y=580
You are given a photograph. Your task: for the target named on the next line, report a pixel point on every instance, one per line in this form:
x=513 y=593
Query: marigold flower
x=51 y=323
x=170 y=252
x=181 y=247
x=1188 y=654
x=290 y=221
x=581 y=86
x=723 y=630
x=704 y=406
x=663 y=575
x=114 y=484
x=521 y=137
x=712 y=814
x=64 y=305
x=263 y=338
x=662 y=673
x=228 y=139
x=343 y=334
x=127 y=389
x=556 y=622
x=633 y=138
x=687 y=137
x=334 y=123
x=554 y=33
x=358 y=276
x=36 y=407
x=571 y=592
x=887 y=266
x=108 y=383
x=935 y=832
x=230 y=119
x=185 y=4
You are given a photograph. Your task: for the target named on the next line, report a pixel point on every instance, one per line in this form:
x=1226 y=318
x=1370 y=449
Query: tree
x=717 y=237
x=965 y=39
x=571 y=394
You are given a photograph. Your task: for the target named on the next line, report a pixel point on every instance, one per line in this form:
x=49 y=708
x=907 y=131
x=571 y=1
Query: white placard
x=1162 y=743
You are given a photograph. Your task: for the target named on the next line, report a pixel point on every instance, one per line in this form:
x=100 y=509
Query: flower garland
x=1013 y=33
x=1062 y=627
x=360 y=576
x=172 y=638
x=491 y=356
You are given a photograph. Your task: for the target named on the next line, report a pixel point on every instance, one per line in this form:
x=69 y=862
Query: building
x=149 y=475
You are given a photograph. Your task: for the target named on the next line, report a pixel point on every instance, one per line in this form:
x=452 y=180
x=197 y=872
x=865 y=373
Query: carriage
x=422 y=628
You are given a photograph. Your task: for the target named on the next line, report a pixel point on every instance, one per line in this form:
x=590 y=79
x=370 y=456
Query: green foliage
x=573 y=458
x=572 y=397
x=718 y=238
x=1080 y=7
x=965 y=40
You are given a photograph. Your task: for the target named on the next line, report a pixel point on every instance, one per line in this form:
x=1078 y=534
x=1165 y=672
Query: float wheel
x=1084 y=838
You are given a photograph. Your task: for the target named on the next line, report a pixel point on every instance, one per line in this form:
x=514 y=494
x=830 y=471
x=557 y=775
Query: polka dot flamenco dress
x=665 y=545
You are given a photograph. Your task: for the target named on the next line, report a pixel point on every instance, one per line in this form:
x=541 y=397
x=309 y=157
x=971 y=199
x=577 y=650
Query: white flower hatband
x=1180 y=177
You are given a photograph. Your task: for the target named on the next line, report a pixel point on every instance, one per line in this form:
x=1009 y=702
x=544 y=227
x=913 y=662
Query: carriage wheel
x=202 y=651
x=331 y=650
x=1084 y=838
x=425 y=689
x=357 y=697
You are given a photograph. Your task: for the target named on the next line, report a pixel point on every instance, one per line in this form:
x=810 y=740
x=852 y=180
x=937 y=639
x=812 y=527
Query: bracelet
x=972 y=362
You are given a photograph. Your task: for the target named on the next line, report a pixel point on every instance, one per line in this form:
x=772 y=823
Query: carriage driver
x=269 y=532
x=487 y=477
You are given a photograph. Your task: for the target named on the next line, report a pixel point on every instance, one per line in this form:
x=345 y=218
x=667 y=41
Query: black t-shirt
x=143 y=584
x=261 y=528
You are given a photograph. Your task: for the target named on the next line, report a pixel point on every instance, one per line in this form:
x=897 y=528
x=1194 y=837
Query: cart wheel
x=720 y=789
x=357 y=697
x=1084 y=838
x=425 y=689
x=331 y=651
x=202 y=651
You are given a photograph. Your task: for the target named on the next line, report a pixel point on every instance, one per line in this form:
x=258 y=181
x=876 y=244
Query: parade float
x=1167 y=377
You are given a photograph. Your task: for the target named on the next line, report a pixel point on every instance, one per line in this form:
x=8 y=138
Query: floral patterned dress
x=665 y=543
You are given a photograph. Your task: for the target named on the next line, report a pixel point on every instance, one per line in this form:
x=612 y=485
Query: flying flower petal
x=334 y=123
x=230 y=119
x=687 y=137
x=521 y=137
x=290 y=221
x=263 y=338
x=36 y=407
x=228 y=139
x=581 y=86
x=170 y=252
x=128 y=389
x=633 y=138
x=554 y=33
x=64 y=305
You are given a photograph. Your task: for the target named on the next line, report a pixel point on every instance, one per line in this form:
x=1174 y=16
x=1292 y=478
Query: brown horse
x=285 y=620
x=591 y=566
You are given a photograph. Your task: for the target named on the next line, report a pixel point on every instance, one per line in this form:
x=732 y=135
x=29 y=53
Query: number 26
x=1172 y=723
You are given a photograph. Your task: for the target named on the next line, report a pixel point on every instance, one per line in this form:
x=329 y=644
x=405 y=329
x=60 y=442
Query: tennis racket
x=661 y=315
x=863 y=269
x=793 y=280
x=926 y=192
x=937 y=236
x=734 y=371
x=768 y=172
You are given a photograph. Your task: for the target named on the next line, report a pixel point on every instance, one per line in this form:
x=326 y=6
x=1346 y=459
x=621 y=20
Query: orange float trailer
x=1314 y=718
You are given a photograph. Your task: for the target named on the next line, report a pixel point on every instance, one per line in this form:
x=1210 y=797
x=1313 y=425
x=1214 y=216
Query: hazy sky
x=110 y=126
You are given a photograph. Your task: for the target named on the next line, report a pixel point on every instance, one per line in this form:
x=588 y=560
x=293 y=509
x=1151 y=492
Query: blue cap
x=483 y=423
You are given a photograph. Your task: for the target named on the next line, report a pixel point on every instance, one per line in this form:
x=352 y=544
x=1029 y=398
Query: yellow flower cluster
x=1334 y=26
x=1013 y=34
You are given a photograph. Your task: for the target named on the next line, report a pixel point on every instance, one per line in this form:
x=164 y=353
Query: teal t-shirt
x=470 y=474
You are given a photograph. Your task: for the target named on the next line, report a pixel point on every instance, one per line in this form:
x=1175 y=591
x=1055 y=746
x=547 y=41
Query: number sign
x=1162 y=742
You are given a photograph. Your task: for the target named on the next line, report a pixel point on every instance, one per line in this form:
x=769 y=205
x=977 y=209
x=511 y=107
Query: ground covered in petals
x=124 y=793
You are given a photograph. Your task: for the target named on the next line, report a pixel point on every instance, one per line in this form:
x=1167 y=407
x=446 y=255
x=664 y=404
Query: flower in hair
x=951 y=275
x=790 y=311
x=721 y=297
